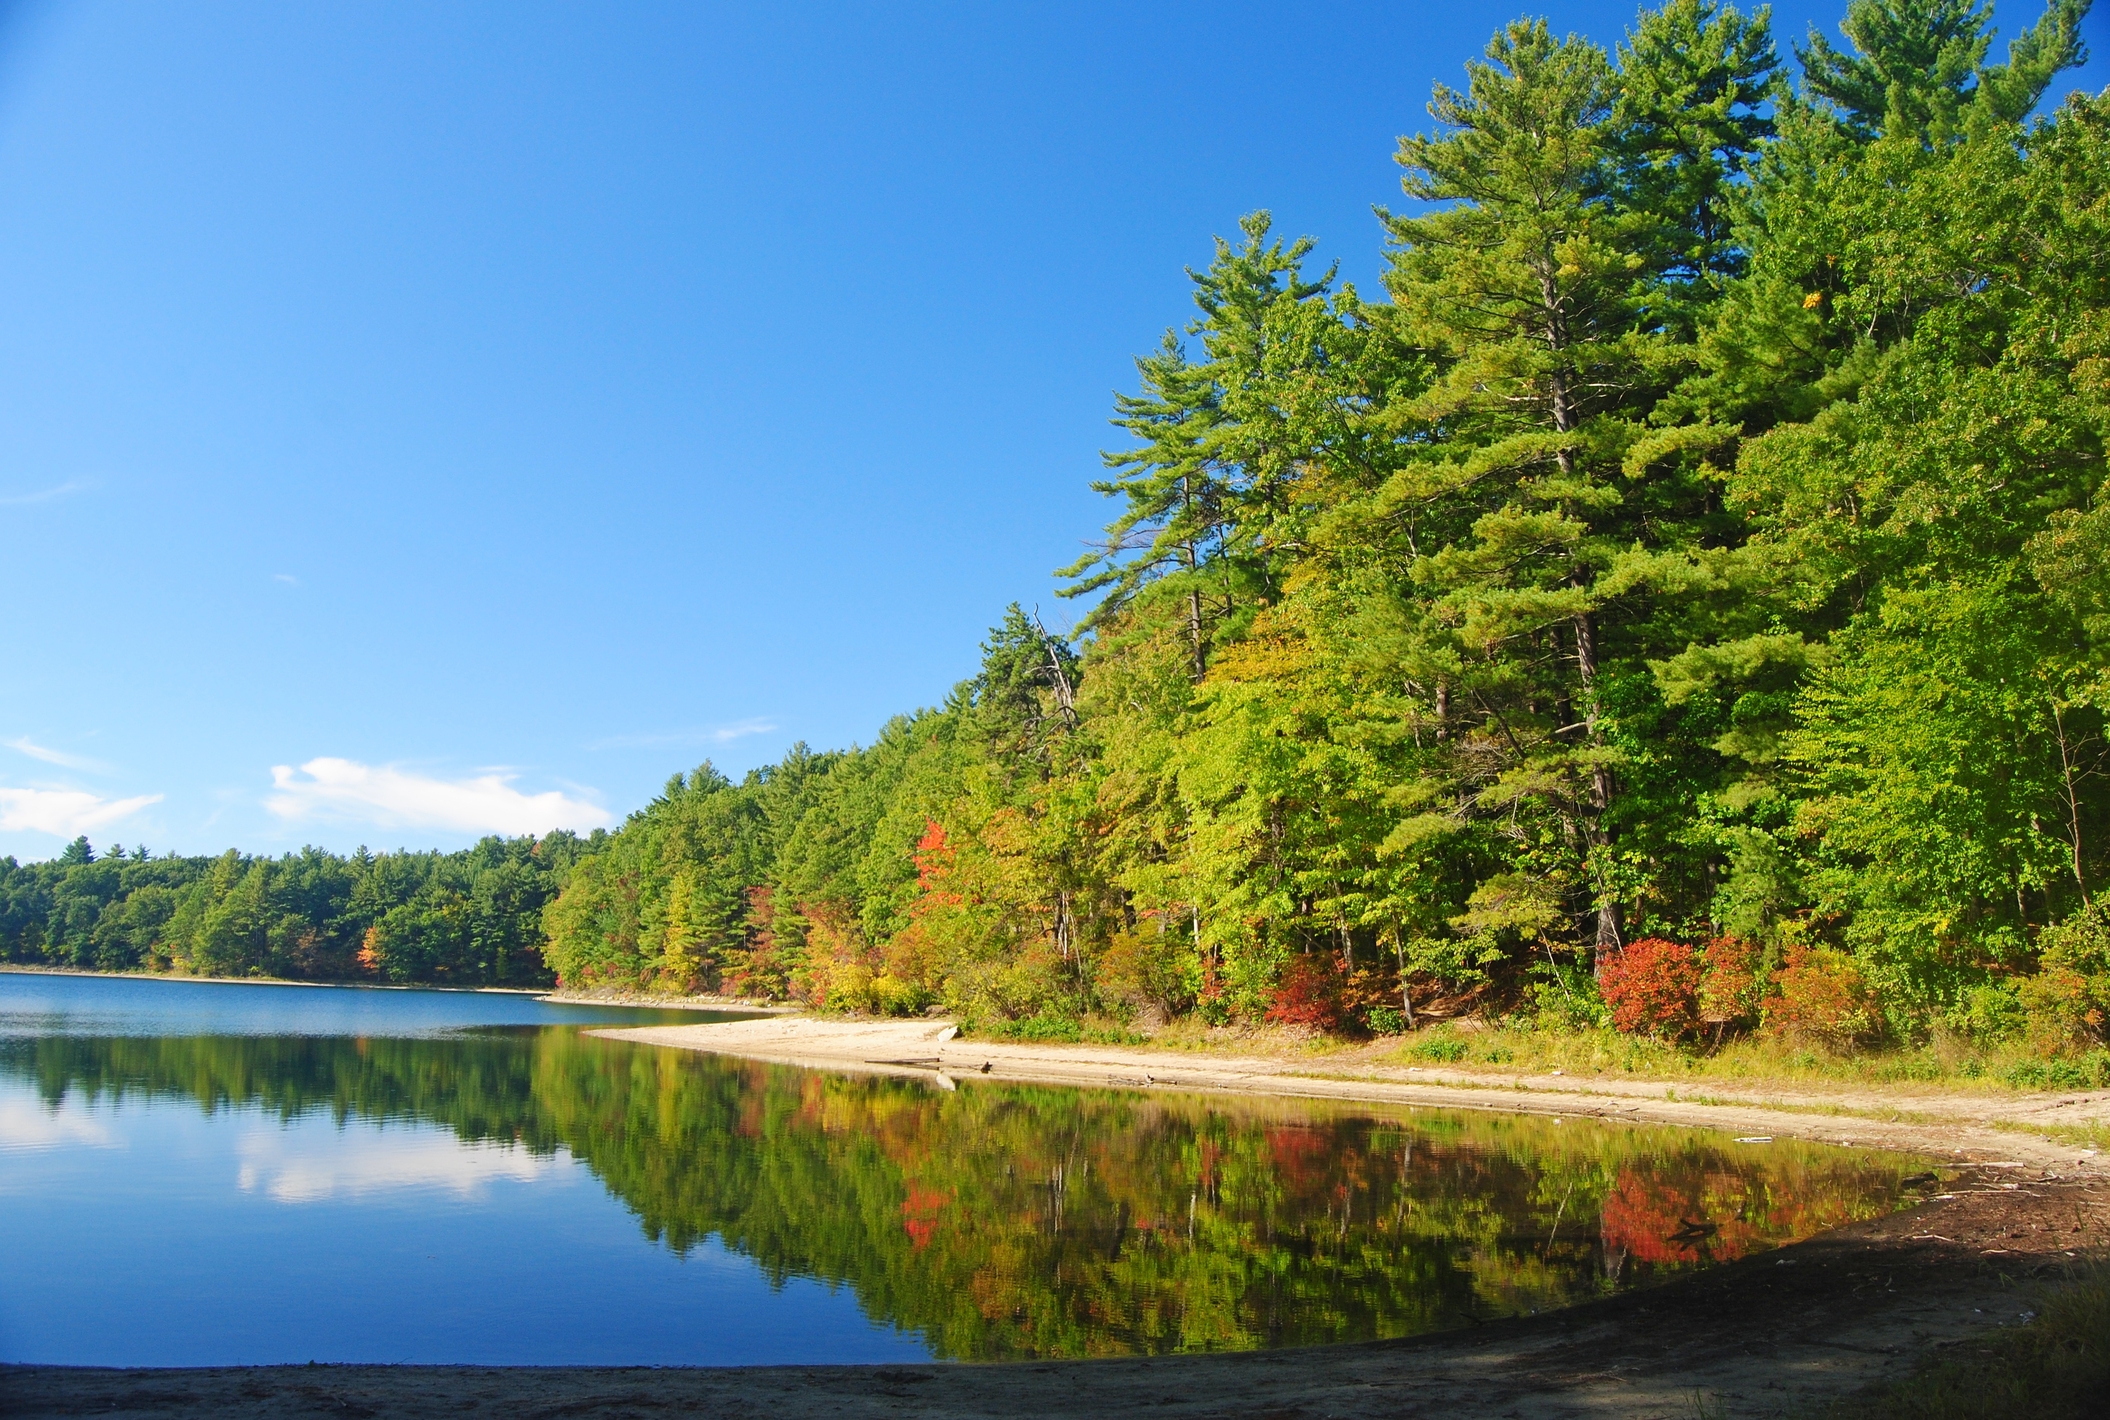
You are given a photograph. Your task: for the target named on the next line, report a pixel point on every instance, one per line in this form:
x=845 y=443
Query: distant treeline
x=1680 y=599
x=467 y=918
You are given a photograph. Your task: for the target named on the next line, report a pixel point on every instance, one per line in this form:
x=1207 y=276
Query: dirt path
x=1772 y=1335
x=1963 y=1127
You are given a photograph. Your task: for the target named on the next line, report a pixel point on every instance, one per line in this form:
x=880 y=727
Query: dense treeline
x=1700 y=541
x=472 y=918
x=1682 y=594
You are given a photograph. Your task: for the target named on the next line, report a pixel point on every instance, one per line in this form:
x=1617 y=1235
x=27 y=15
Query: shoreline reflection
x=999 y=1220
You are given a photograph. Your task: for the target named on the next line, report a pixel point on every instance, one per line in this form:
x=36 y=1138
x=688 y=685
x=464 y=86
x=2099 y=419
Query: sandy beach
x=1966 y=1127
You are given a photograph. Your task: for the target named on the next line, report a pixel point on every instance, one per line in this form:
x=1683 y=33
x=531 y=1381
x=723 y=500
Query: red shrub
x=1309 y=994
x=1653 y=986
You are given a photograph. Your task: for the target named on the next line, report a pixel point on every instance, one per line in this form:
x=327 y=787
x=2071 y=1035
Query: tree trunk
x=2073 y=801
x=1562 y=407
x=1608 y=940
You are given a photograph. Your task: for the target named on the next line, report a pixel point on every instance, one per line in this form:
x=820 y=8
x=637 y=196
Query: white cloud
x=49 y=755
x=287 y=577
x=393 y=798
x=713 y=734
x=65 y=812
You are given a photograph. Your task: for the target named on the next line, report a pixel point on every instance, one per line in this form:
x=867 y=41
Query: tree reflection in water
x=1008 y=1221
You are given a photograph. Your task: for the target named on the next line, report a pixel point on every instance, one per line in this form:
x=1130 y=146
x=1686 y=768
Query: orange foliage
x=936 y=860
x=920 y=1213
x=1299 y=1156
x=370 y=953
x=1653 y=986
x=1823 y=996
x=1655 y=1222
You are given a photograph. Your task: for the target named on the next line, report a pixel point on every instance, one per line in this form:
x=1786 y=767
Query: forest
x=472 y=918
x=1678 y=600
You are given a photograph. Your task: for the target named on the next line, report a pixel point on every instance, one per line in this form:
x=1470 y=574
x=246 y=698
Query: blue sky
x=424 y=420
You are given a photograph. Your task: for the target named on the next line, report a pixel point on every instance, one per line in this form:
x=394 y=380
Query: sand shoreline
x=1964 y=1127
x=639 y=1000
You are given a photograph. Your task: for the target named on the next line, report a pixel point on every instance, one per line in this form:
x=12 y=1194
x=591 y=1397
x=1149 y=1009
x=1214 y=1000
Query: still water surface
x=197 y=1174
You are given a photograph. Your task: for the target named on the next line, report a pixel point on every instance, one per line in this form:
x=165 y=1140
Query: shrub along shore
x=1675 y=609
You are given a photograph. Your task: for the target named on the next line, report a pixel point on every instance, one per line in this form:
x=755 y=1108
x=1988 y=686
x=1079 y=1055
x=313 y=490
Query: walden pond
x=464 y=1179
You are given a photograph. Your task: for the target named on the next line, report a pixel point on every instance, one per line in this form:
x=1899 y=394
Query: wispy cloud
x=287 y=577
x=25 y=745
x=42 y=495
x=388 y=797
x=705 y=735
x=64 y=812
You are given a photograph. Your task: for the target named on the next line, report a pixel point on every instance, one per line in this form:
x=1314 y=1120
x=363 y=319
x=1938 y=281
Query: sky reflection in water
x=465 y=1179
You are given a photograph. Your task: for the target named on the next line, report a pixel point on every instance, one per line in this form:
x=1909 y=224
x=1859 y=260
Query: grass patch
x=1441 y=1045
x=1946 y=1062
x=1531 y=1047
x=1053 y=1030
x=2056 y=1366
x=2080 y=1136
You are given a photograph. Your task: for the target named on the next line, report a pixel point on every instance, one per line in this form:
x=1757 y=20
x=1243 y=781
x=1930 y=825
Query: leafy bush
x=1731 y=986
x=1061 y=1029
x=2068 y=1001
x=1822 y=997
x=1051 y=1029
x=1385 y=1020
x=1309 y=994
x=1441 y=1045
x=2088 y=1072
x=1653 y=987
x=1566 y=998
x=1137 y=971
x=1989 y=1012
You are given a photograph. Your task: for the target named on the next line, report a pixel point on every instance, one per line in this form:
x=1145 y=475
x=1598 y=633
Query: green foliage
x=471 y=918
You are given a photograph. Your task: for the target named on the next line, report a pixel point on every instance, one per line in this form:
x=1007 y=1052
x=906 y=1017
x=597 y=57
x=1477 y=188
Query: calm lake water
x=195 y=1174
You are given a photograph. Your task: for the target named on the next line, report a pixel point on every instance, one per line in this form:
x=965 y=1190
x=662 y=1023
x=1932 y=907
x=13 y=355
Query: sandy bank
x=1963 y=1126
x=648 y=1000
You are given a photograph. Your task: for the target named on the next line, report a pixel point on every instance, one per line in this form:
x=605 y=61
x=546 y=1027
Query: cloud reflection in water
x=27 y=1123
x=313 y=1165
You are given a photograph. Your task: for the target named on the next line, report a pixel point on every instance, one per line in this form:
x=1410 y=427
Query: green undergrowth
x=2081 y=1136
x=1060 y=1030
x=1944 y=1060
x=2055 y=1366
